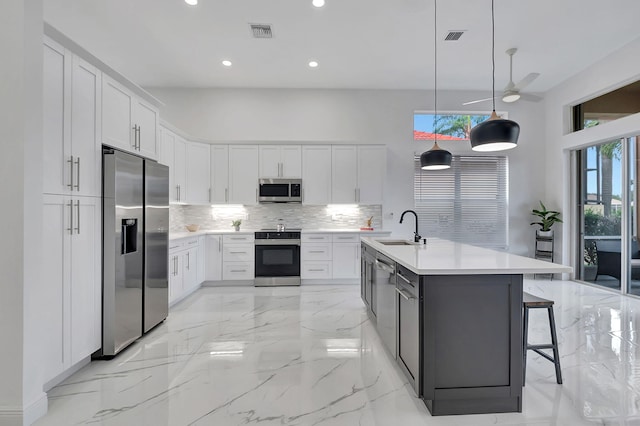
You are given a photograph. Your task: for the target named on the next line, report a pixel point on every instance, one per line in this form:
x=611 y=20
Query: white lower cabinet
x=315 y=256
x=202 y=259
x=72 y=259
x=213 y=266
x=346 y=256
x=183 y=268
x=238 y=257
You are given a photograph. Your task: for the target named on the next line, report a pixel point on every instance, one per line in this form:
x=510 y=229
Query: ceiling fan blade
x=530 y=98
x=527 y=80
x=477 y=101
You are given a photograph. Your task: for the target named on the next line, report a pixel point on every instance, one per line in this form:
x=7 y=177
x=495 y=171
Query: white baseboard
x=18 y=416
x=66 y=374
x=354 y=281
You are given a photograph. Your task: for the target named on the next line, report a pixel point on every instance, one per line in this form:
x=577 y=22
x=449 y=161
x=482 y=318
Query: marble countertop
x=185 y=234
x=442 y=257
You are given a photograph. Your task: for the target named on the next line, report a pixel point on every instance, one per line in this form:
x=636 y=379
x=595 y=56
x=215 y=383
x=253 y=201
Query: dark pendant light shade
x=495 y=134
x=435 y=159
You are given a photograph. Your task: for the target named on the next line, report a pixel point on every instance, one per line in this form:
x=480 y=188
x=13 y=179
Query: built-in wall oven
x=277 y=258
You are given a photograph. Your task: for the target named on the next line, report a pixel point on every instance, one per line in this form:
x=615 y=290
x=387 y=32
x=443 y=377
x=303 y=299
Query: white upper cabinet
x=180 y=169
x=197 y=173
x=344 y=174
x=280 y=161
x=219 y=174
x=117 y=116
x=167 y=157
x=128 y=123
x=372 y=172
x=71 y=103
x=358 y=174
x=316 y=174
x=243 y=174
x=146 y=118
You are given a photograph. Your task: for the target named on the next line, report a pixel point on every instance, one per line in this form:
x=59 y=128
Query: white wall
x=614 y=71
x=20 y=189
x=361 y=117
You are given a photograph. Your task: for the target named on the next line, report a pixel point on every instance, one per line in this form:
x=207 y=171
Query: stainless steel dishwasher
x=408 y=299
x=386 y=314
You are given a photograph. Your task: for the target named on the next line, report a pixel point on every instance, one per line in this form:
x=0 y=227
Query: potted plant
x=547 y=219
x=236 y=224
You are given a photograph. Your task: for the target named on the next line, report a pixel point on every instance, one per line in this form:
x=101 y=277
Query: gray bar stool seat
x=530 y=301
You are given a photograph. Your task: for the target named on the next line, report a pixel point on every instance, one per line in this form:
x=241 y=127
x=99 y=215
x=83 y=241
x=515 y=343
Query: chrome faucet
x=416 y=236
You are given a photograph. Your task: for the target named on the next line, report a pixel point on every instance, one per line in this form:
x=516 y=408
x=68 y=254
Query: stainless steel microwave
x=280 y=190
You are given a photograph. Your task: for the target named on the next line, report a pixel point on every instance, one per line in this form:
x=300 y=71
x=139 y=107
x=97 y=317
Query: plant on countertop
x=547 y=217
x=236 y=223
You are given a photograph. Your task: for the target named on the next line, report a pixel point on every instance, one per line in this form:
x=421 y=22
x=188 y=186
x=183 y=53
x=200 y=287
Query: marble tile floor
x=310 y=356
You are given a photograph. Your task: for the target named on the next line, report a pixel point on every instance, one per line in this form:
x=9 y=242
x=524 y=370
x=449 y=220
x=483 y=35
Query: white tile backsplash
x=269 y=215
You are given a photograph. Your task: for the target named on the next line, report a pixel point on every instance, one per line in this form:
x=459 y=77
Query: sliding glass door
x=607 y=231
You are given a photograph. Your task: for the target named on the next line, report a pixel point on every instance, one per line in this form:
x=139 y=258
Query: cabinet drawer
x=238 y=253
x=346 y=238
x=238 y=271
x=315 y=270
x=316 y=238
x=245 y=238
x=176 y=245
x=190 y=242
x=315 y=252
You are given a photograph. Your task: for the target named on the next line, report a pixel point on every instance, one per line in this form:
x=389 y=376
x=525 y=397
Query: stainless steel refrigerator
x=135 y=236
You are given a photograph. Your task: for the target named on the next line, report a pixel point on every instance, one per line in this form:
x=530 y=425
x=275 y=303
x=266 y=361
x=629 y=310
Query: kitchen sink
x=396 y=242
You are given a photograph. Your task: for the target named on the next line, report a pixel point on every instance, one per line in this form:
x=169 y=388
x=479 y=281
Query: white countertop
x=442 y=257
x=186 y=234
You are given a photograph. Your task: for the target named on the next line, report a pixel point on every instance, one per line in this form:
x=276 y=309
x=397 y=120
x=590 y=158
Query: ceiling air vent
x=261 y=30
x=454 y=35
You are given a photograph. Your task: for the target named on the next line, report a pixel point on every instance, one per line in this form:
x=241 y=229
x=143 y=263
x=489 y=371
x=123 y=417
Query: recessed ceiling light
x=318 y=3
x=226 y=63
x=191 y=2
x=313 y=64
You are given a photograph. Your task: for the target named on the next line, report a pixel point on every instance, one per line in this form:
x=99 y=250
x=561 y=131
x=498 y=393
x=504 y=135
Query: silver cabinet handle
x=78 y=218
x=316 y=251
x=78 y=174
x=226 y=195
x=256 y=195
x=358 y=194
x=404 y=296
x=70 y=161
x=209 y=194
x=139 y=137
x=238 y=270
x=355 y=195
x=175 y=259
x=316 y=238
x=316 y=270
x=238 y=252
x=302 y=193
x=219 y=244
x=179 y=193
x=70 y=228
x=135 y=136
x=188 y=260
x=403 y=278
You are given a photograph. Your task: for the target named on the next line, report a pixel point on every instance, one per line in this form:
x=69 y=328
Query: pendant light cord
x=493 y=55
x=435 y=69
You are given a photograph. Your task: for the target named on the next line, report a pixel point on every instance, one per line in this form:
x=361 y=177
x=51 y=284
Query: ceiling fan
x=511 y=91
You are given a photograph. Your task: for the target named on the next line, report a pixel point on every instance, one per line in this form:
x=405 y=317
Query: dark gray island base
x=471 y=329
x=450 y=314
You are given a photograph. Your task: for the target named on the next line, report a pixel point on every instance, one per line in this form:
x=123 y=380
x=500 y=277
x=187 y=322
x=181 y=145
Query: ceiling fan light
x=495 y=134
x=510 y=96
x=435 y=159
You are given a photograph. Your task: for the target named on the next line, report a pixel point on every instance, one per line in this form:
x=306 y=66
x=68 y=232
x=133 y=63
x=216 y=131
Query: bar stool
x=530 y=301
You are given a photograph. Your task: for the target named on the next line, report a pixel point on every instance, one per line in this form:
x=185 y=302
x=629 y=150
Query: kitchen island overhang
x=470 y=323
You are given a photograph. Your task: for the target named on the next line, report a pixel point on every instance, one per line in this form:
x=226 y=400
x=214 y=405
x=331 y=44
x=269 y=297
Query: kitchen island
x=451 y=316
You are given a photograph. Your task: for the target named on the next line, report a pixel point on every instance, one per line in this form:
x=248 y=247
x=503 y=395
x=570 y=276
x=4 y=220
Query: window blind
x=467 y=203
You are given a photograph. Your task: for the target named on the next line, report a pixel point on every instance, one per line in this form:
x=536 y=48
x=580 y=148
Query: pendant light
x=495 y=134
x=436 y=158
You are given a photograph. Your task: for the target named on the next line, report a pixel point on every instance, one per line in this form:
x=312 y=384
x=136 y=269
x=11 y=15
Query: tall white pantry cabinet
x=71 y=210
